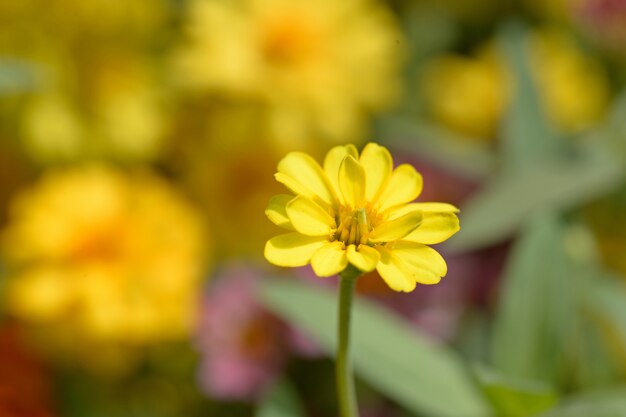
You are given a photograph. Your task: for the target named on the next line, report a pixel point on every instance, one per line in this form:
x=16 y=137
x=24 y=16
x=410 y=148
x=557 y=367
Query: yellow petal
x=276 y=211
x=395 y=229
x=422 y=258
x=308 y=218
x=364 y=257
x=378 y=165
x=394 y=273
x=330 y=259
x=439 y=222
x=41 y=294
x=352 y=181
x=292 y=249
x=332 y=162
x=404 y=185
x=303 y=175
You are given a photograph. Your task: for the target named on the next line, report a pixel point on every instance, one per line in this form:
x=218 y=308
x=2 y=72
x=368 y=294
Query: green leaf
x=464 y=156
x=509 y=200
x=282 y=401
x=608 y=304
x=515 y=397
x=536 y=304
x=599 y=404
x=16 y=76
x=542 y=329
x=526 y=134
x=388 y=353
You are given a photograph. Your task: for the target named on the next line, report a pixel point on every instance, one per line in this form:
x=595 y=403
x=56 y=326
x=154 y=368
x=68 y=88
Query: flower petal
x=397 y=228
x=439 y=222
x=332 y=162
x=404 y=185
x=308 y=218
x=378 y=165
x=365 y=258
x=330 y=259
x=292 y=249
x=394 y=273
x=352 y=181
x=276 y=211
x=302 y=174
x=422 y=258
x=408 y=263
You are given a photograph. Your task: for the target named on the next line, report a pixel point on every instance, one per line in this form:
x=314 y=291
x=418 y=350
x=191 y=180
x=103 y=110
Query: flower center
x=354 y=226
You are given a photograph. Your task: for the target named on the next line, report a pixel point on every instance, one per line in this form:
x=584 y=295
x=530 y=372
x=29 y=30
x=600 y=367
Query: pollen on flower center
x=354 y=226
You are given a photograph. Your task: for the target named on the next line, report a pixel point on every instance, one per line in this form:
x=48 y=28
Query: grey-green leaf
x=389 y=354
x=282 y=401
x=599 y=404
x=512 y=397
x=526 y=134
x=509 y=200
x=536 y=303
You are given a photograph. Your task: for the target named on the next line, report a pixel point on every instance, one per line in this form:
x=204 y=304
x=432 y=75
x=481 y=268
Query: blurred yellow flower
x=357 y=210
x=114 y=111
x=575 y=87
x=319 y=67
x=104 y=258
x=470 y=94
x=467 y=94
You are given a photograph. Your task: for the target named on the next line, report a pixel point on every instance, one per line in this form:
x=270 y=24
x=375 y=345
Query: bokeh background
x=138 y=142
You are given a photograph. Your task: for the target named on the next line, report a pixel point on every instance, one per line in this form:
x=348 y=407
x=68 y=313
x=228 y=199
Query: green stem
x=345 y=379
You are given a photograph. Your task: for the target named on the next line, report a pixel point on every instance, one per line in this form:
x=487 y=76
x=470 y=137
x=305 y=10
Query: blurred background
x=138 y=142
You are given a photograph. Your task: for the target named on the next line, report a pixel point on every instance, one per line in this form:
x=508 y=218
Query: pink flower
x=243 y=346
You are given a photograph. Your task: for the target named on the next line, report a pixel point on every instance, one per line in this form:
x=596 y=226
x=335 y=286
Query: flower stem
x=345 y=379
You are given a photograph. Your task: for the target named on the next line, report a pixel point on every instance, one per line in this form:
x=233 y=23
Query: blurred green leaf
x=16 y=76
x=282 y=401
x=389 y=354
x=535 y=306
x=608 y=304
x=510 y=199
x=599 y=404
x=526 y=135
x=514 y=397
x=542 y=330
x=467 y=157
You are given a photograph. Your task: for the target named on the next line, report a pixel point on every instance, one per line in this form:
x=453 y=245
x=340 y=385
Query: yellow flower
x=100 y=258
x=304 y=60
x=471 y=94
x=467 y=94
x=357 y=210
x=122 y=117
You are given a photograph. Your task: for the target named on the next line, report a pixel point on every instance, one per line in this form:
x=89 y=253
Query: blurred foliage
x=445 y=386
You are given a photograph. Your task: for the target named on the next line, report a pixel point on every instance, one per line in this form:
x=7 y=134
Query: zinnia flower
x=303 y=60
x=357 y=210
x=102 y=259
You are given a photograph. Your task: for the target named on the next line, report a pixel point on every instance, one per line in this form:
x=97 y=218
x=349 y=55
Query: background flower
x=303 y=61
x=97 y=257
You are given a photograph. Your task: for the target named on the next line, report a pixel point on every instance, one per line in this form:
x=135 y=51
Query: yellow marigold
x=357 y=210
x=103 y=258
x=318 y=66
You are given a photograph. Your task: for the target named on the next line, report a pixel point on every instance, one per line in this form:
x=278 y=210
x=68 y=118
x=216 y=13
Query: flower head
x=358 y=210
x=304 y=60
x=104 y=259
x=244 y=348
